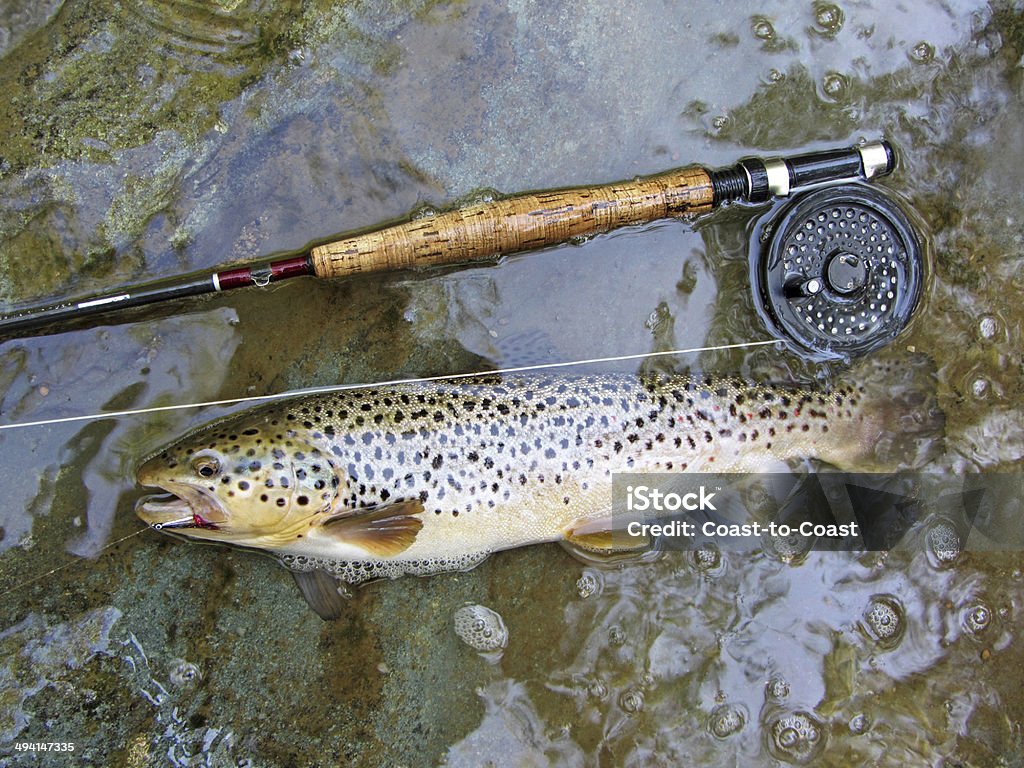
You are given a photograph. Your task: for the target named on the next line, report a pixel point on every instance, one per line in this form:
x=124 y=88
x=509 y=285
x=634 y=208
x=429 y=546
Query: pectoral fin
x=322 y=591
x=596 y=541
x=599 y=535
x=381 y=531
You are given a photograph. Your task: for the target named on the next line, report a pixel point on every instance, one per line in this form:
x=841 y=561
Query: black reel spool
x=840 y=271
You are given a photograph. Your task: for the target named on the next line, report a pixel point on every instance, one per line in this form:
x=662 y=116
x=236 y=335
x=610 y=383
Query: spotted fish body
x=428 y=477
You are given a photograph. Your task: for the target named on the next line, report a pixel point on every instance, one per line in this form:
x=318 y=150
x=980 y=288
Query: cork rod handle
x=524 y=222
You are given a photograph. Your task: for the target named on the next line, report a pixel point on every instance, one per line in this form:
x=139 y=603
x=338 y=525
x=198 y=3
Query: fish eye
x=206 y=466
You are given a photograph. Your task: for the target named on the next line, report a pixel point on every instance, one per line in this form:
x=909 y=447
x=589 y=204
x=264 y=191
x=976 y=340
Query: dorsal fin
x=323 y=593
x=382 y=531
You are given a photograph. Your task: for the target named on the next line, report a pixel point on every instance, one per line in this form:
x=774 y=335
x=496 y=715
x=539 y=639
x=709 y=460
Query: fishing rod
x=536 y=220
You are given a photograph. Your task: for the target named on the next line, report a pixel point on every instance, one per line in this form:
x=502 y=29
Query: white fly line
x=391 y=382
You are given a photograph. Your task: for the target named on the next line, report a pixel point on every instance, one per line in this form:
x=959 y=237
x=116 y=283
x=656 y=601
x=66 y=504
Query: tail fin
x=901 y=426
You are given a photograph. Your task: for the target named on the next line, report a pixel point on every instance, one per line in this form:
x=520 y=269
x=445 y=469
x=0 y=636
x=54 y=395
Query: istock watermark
x=641 y=498
x=828 y=511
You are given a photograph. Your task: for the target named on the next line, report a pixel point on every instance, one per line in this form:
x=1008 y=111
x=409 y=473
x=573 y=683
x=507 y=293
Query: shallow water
x=144 y=138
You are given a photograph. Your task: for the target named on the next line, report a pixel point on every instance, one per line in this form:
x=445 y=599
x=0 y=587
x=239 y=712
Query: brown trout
x=427 y=477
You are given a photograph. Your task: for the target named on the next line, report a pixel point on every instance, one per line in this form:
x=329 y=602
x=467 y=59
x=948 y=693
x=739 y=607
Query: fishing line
x=392 y=382
x=68 y=564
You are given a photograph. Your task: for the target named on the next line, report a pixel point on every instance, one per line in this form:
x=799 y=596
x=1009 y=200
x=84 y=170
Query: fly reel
x=837 y=271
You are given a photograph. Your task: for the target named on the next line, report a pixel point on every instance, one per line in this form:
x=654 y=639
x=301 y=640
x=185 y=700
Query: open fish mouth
x=168 y=510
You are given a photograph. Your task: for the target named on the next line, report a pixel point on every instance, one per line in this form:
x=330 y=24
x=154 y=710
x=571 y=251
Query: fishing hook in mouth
x=171 y=511
x=184 y=522
x=195 y=521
